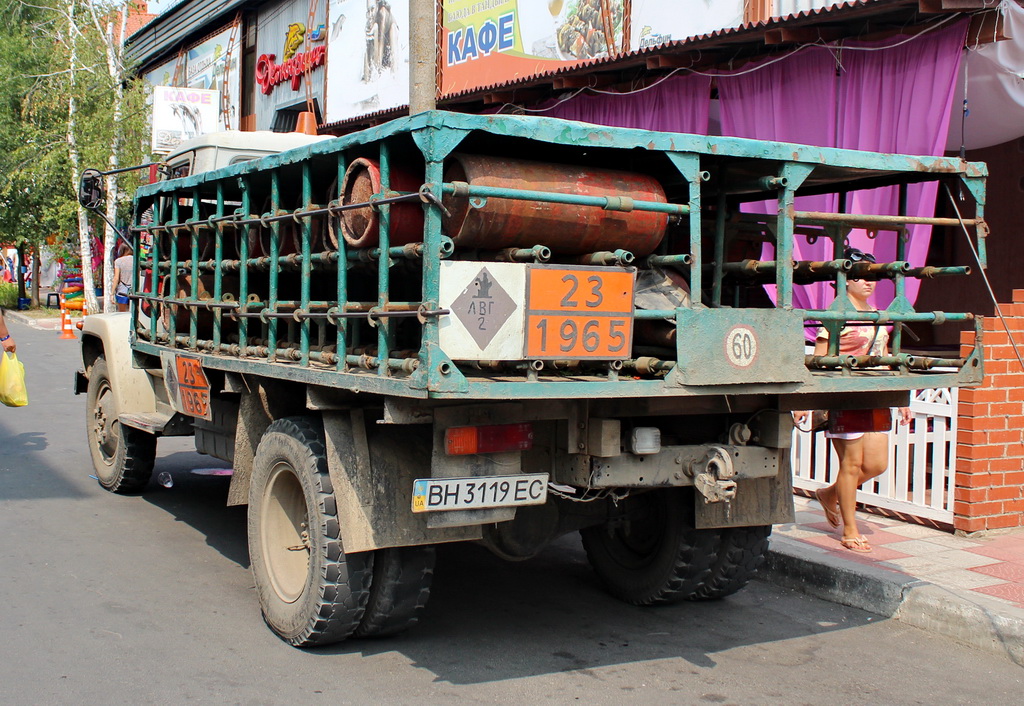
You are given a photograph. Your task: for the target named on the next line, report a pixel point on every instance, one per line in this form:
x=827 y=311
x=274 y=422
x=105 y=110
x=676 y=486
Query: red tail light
x=493 y=438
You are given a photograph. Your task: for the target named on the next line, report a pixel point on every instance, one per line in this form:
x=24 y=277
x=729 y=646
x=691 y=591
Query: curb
x=969 y=618
x=40 y=323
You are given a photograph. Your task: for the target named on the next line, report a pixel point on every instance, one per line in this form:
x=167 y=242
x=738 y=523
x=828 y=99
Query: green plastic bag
x=12 y=381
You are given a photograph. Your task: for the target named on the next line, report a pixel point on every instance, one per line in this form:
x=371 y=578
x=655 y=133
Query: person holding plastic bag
x=12 y=372
x=5 y=336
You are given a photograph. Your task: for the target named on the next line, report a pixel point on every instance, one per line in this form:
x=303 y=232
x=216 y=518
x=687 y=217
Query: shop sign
x=270 y=74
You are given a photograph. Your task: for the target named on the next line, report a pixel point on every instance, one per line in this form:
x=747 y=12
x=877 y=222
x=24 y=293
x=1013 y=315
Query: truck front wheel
x=649 y=553
x=310 y=591
x=122 y=456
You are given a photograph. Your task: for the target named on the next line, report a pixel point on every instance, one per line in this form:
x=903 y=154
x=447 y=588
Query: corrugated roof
x=168 y=32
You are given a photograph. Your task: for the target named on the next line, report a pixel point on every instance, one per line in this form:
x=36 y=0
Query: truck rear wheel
x=649 y=553
x=399 y=592
x=310 y=591
x=741 y=551
x=121 y=456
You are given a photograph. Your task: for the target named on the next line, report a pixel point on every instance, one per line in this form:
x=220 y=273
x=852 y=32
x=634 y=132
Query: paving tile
x=817 y=548
x=867 y=559
x=917 y=547
x=824 y=541
x=1003 y=570
x=959 y=578
x=959 y=559
x=998 y=553
x=1007 y=591
x=796 y=533
x=950 y=541
x=879 y=554
x=914 y=531
x=821 y=527
x=880 y=536
x=1013 y=540
x=806 y=518
x=914 y=564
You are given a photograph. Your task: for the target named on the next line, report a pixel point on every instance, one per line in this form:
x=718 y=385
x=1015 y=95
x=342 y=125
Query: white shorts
x=844 y=435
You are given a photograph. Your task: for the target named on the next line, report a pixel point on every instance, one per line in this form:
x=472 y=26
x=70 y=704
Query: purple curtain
x=678 y=104
x=888 y=96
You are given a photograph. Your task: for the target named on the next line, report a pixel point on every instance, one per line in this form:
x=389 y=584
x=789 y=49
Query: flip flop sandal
x=856 y=544
x=831 y=512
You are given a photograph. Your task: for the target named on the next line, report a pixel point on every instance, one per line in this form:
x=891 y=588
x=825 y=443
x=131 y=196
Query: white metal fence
x=919 y=480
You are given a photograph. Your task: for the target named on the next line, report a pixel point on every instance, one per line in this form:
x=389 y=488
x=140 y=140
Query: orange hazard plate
x=193 y=387
x=579 y=312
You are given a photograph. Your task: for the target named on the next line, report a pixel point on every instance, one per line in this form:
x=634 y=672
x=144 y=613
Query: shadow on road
x=200 y=501
x=555 y=613
x=25 y=472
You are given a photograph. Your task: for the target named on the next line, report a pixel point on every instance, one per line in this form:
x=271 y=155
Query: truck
x=502 y=329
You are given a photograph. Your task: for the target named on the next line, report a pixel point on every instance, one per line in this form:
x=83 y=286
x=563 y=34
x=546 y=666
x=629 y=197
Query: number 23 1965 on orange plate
x=193 y=387
x=584 y=312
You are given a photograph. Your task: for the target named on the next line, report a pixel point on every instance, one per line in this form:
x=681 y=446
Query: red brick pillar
x=990 y=434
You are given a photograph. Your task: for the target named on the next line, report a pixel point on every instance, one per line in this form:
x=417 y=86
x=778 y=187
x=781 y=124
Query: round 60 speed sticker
x=741 y=346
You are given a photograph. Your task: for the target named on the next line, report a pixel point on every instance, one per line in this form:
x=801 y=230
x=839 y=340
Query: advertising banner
x=489 y=42
x=180 y=114
x=169 y=74
x=213 y=65
x=291 y=60
x=657 y=22
x=368 y=65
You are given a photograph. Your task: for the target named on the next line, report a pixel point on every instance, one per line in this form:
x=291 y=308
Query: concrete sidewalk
x=968 y=588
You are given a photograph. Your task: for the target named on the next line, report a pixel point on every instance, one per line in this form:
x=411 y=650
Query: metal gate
x=919 y=480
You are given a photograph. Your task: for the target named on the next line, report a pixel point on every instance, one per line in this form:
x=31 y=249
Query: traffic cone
x=67 y=330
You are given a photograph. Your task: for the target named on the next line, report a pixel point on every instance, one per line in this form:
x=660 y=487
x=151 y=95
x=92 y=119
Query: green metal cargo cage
x=455 y=256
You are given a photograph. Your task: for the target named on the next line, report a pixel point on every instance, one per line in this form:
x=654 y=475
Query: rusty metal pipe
x=857 y=220
x=618 y=258
x=538 y=253
x=930 y=272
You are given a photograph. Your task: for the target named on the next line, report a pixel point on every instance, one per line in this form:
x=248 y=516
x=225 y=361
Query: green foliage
x=8 y=295
x=37 y=196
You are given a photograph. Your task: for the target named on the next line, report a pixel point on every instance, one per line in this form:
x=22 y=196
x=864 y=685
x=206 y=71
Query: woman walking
x=860 y=437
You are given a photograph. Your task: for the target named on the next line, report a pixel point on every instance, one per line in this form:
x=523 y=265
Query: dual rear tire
x=311 y=591
x=651 y=554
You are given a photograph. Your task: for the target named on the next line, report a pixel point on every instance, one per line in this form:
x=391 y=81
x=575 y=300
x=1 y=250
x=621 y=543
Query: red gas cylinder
x=565 y=228
x=361 y=226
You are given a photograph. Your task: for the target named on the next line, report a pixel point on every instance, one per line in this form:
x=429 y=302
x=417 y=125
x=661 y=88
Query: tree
x=72 y=105
x=33 y=192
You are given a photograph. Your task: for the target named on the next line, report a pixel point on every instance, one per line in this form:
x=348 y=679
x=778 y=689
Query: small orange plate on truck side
x=579 y=312
x=194 y=387
x=187 y=385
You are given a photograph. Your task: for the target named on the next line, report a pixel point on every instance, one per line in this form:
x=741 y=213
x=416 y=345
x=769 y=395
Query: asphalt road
x=148 y=599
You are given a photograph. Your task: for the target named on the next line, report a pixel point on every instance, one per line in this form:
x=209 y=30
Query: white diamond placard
x=486 y=305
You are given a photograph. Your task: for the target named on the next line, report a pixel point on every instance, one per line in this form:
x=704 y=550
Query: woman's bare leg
x=860 y=460
x=851 y=457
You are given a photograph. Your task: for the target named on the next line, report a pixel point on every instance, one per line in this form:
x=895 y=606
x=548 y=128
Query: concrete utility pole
x=422 y=56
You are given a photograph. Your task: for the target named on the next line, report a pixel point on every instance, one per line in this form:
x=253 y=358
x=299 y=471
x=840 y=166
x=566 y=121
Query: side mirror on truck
x=90 y=189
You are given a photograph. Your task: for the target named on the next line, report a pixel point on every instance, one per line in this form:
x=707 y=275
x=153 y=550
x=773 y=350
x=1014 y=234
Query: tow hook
x=713 y=474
